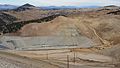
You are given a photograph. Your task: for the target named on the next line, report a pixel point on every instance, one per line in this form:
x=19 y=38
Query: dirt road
x=59 y=58
x=8 y=60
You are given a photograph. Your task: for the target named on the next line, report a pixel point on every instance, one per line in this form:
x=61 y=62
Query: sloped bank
x=46 y=42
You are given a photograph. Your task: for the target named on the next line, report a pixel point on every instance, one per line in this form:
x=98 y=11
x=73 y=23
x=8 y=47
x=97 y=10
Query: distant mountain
x=25 y=7
x=111 y=6
x=57 y=7
x=89 y=6
x=67 y=7
x=29 y=6
x=7 y=7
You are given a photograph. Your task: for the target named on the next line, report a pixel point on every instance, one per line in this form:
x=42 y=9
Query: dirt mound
x=43 y=29
x=35 y=29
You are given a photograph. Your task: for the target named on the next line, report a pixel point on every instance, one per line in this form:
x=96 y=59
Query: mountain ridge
x=7 y=7
x=29 y=6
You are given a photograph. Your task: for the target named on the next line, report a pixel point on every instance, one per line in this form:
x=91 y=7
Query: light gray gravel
x=7 y=63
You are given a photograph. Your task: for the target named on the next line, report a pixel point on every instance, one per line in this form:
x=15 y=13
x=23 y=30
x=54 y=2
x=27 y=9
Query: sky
x=63 y=2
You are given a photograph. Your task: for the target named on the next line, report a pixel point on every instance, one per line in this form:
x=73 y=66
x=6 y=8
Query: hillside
x=107 y=27
x=86 y=37
x=6 y=19
x=87 y=22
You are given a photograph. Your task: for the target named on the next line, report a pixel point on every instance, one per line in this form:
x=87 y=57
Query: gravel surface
x=8 y=60
x=7 y=63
